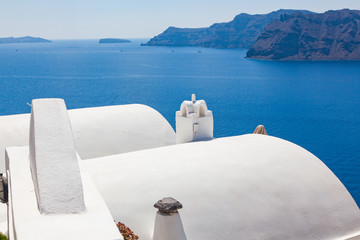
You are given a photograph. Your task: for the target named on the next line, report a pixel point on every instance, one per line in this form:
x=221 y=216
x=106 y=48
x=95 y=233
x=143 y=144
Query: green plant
x=3 y=237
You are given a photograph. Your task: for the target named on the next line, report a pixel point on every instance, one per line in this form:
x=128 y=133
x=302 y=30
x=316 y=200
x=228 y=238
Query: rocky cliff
x=241 y=32
x=333 y=35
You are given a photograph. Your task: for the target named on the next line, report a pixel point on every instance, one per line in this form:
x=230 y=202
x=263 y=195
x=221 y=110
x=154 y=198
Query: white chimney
x=194 y=122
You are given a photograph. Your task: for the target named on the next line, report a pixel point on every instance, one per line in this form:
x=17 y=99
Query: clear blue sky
x=83 y=19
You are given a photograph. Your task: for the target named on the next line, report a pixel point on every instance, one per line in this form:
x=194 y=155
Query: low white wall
x=29 y=224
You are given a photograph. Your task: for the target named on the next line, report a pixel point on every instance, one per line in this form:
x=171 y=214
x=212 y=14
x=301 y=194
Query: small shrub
x=126 y=232
x=3 y=237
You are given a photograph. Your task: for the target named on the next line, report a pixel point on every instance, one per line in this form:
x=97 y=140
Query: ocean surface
x=313 y=104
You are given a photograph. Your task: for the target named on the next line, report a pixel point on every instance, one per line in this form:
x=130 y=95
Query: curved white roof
x=111 y=130
x=99 y=131
x=250 y=186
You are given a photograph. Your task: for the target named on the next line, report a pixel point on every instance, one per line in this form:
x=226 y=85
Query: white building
x=251 y=186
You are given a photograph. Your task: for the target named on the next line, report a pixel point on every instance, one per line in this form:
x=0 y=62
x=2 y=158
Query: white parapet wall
x=27 y=223
x=51 y=196
x=194 y=122
x=53 y=161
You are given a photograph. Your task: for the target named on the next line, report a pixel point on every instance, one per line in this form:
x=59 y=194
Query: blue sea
x=313 y=104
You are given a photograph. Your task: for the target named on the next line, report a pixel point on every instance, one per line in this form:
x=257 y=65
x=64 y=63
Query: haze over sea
x=313 y=104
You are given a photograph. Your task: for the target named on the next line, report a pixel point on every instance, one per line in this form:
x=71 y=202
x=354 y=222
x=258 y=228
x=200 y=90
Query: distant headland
x=279 y=35
x=241 y=32
x=333 y=35
x=114 y=40
x=26 y=39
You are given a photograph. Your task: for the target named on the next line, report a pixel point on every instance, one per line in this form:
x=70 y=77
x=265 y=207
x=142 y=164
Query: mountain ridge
x=333 y=35
x=241 y=32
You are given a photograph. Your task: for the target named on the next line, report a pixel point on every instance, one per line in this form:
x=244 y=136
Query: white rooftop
x=253 y=185
x=250 y=186
x=98 y=131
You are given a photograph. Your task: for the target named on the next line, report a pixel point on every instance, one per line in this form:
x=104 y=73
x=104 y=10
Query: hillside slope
x=333 y=35
x=241 y=32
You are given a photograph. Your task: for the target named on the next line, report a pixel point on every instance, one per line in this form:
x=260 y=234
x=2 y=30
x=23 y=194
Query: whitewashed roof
x=98 y=131
x=245 y=187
